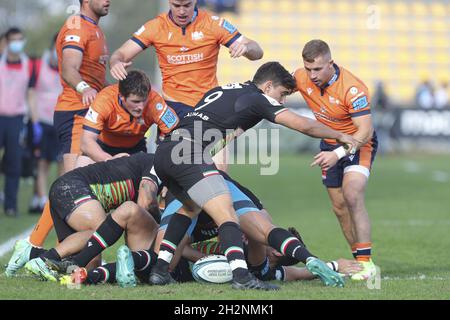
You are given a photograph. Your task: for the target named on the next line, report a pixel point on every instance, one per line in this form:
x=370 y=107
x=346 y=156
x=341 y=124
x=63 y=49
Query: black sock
x=142 y=268
x=106 y=235
x=36 y=252
x=103 y=274
x=231 y=244
x=285 y=242
x=261 y=271
x=144 y=259
x=51 y=254
x=178 y=225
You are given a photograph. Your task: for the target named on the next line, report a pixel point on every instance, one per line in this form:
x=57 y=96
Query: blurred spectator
x=2 y=43
x=441 y=95
x=16 y=71
x=219 y=6
x=424 y=95
x=45 y=95
x=380 y=99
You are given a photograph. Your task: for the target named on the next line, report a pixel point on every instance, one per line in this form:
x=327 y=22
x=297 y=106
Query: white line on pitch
x=9 y=244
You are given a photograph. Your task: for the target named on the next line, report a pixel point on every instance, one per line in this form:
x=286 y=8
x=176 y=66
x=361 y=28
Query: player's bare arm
x=91 y=148
x=148 y=197
x=71 y=63
x=247 y=48
x=121 y=59
x=313 y=128
x=327 y=159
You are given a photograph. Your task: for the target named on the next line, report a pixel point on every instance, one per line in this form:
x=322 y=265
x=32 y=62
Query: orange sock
x=363 y=251
x=42 y=228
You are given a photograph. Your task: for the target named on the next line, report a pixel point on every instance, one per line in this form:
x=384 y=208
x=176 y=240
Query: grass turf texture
x=410 y=218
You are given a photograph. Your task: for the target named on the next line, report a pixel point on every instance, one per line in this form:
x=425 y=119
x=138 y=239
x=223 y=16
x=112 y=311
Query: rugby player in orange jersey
x=341 y=101
x=82 y=58
x=187 y=41
x=120 y=116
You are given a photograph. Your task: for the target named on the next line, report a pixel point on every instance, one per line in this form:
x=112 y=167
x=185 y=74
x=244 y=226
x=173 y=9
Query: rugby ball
x=212 y=269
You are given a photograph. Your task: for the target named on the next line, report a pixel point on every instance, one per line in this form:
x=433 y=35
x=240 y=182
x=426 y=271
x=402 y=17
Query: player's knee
x=340 y=209
x=129 y=210
x=352 y=198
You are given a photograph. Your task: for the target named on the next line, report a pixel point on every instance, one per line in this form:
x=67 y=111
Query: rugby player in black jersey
x=81 y=200
x=183 y=163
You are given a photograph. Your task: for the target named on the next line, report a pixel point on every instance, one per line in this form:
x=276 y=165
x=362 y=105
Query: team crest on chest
x=197 y=35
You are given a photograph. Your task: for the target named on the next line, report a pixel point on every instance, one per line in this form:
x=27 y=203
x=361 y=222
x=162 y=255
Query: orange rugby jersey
x=117 y=127
x=82 y=33
x=187 y=56
x=344 y=98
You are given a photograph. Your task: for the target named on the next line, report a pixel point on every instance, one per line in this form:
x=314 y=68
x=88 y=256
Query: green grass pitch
x=408 y=202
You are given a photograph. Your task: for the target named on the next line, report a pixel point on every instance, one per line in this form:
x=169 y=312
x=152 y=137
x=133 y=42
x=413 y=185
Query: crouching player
x=80 y=201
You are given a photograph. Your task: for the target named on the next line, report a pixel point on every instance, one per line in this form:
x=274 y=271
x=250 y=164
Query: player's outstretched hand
x=238 y=49
x=325 y=160
x=119 y=70
x=351 y=144
x=349 y=267
x=88 y=96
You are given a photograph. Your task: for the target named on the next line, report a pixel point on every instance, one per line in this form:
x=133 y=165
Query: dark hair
x=11 y=31
x=277 y=73
x=315 y=48
x=136 y=83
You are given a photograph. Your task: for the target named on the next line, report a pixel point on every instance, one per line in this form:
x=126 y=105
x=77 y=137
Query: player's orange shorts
x=69 y=127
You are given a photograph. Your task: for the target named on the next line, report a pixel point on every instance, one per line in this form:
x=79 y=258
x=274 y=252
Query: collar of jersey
x=254 y=86
x=333 y=79
x=88 y=19
x=192 y=20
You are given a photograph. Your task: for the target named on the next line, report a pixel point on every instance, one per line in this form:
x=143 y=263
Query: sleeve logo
x=140 y=31
x=169 y=118
x=228 y=26
x=91 y=115
x=72 y=38
x=361 y=103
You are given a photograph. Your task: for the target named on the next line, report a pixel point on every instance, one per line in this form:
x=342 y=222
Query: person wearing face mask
x=16 y=77
x=44 y=96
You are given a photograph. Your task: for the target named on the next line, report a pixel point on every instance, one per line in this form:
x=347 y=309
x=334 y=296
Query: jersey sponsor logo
x=197 y=35
x=185 y=58
x=228 y=26
x=72 y=38
x=169 y=118
x=197 y=114
x=333 y=100
x=184 y=49
x=91 y=115
x=140 y=31
x=361 y=103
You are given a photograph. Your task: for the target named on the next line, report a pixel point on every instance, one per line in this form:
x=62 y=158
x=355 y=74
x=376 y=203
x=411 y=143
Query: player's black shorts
x=179 y=172
x=140 y=146
x=66 y=194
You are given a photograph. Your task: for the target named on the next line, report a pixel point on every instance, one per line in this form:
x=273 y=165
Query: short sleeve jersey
x=187 y=56
x=345 y=98
x=117 y=127
x=83 y=34
x=225 y=109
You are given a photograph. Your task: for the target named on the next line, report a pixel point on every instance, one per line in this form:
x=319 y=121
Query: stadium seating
x=399 y=42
